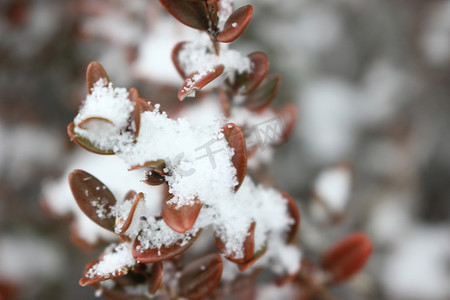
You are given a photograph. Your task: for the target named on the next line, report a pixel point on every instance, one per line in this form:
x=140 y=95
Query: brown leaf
x=190 y=13
x=263 y=96
x=156 y=277
x=85 y=143
x=176 y=62
x=155 y=255
x=248 y=247
x=135 y=119
x=247 y=82
x=236 y=24
x=295 y=215
x=181 y=219
x=157 y=165
x=346 y=257
x=289 y=115
x=145 y=105
x=153 y=177
x=93 y=197
x=196 y=81
x=94 y=73
x=236 y=140
x=137 y=199
x=225 y=102
x=88 y=280
x=200 y=277
x=241 y=283
x=244 y=266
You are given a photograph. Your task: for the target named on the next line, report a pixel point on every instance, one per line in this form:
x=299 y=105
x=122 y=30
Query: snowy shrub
x=189 y=218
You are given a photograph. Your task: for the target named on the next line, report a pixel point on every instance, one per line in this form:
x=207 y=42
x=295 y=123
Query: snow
x=198 y=163
x=115 y=259
x=114 y=174
x=415 y=268
x=333 y=187
x=199 y=56
x=104 y=115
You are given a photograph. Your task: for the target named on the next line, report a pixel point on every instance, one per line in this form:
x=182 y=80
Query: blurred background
x=371 y=80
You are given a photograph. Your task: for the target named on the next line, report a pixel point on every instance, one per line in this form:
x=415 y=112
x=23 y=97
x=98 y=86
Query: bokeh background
x=371 y=80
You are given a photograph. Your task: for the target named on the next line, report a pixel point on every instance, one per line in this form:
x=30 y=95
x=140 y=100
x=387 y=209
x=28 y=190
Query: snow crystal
x=199 y=56
x=198 y=165
x=110 y=109
x=113 y=261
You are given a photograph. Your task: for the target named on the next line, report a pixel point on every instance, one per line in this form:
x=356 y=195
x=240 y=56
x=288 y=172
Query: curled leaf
x=346 y=257
x=94 y=73
x=263 y=96
x=126 y=224
x=89 y=279
x=295 y=215
x=157 y=165
x=176 y=62
x=93 y=197
x=236 y=140
x=244 y=266
x=145 y=105
x=236 y=24
x=190 y=13
x=200 y=277
x=153 y=255
x=196 y=81
x=248 y=247
x=135 y=119
x=181 y=219
x=85 y=143
x=153 y=177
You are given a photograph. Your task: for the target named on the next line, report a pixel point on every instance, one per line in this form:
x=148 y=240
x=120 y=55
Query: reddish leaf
x=248 y=247
x=225 y=102
x=239 y=284
x=200 y=277
x=88 y=280
x=295 y=215
x=94 y=73
x=346 y=257
x=153 y=177
x=85 y=143
x=236 y=140
x=157 y=165
x=247 y=82
x=180 y=219
x=196 y=81
x=145 y=105
x=155 y=255
x=289 y=114
x=137 y=198
x=244 y=266
x=156 y=277
x=190 y=13
x=96 y=123
x=93 y=197
x=263 y=96
x=175 y=52
x=135 y=121
x=236 y=24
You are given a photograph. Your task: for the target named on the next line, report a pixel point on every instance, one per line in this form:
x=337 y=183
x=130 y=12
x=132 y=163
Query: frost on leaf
x=93 y=197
